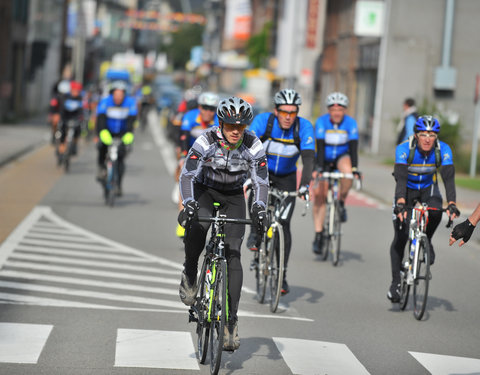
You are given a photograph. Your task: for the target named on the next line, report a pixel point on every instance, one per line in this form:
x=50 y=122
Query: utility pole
x=79 y=45
x=476 y=119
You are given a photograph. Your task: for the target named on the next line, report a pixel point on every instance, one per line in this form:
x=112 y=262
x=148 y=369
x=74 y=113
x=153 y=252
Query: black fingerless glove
x=452 y=208
x=399 y=208
x=189 y=213
x=258 y=218
x=463 y=231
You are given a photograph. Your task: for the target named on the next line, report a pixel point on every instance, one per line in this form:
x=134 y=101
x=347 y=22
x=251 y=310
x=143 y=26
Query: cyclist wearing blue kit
x=285 y=137
x=116 y=115
x=416 y=164
x=337 y=143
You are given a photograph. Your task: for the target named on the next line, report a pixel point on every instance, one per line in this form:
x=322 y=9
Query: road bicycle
x=269 y=260
x=111 y=183
x=210 y=309
x=332 y=223
x=66 y=149
x=416 y=264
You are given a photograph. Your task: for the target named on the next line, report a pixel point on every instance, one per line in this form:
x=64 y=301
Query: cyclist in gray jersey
x=215 y=170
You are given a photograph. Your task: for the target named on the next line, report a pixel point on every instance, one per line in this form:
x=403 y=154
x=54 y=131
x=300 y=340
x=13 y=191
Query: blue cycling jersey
x=282 y=153
x=192 y=123
x=117 y=114
x=336 y=136
x=422 y=169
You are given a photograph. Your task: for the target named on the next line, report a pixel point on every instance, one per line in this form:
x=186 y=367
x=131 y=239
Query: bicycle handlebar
x=223 y=220
x=423 y=208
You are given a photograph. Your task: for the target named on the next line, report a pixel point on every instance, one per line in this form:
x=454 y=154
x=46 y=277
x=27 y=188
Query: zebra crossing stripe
x=22 y=343
x=438 y=364
x=309 y=357
x=155 y=349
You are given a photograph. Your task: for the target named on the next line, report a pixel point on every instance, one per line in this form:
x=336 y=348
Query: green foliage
x=178 y=51
x=258 y=47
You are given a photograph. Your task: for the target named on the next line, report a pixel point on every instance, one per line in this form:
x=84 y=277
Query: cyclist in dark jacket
x=415 y=173
x=215 y=170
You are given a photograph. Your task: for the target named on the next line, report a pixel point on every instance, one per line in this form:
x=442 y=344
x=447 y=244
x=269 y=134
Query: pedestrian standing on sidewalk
x=409 y=117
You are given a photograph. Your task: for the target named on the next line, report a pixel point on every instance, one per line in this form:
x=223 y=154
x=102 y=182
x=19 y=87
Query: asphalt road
x=88 y=289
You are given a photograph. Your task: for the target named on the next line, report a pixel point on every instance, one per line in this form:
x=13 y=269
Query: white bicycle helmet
x=235 y=111
x=118 y=85
x=287 y=96
x=337 y=98
x=208 y=98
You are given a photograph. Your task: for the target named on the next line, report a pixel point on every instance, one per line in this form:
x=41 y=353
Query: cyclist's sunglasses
x=209 y=108
x=286 y=113
x=427 y=135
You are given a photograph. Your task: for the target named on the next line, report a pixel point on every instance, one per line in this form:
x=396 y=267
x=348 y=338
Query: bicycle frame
x=211 y=307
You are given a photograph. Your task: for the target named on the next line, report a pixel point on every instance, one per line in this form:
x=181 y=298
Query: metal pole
x=473 y=157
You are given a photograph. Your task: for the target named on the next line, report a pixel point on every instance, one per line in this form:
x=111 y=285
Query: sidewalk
x=19 y=139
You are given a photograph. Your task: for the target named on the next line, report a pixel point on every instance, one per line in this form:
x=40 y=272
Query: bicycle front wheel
x=276 y=255
x=260 y=262
x=326 y=232
x=404 y=287
x=335 y=235
x=421 y=278
x=202 y=303
x=218 y=314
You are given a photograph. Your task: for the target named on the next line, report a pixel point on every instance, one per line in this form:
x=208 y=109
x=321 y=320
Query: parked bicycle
x=111 y=184
x=332 y=223
x=416 y=263
x=210 y=310
x=268 y=261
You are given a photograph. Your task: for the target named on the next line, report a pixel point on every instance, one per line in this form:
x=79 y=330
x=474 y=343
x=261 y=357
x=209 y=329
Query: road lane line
x=22 y=343
x=94 y=263
x=438 y=364
x=155 y=349
x=88 y=282
x=57 y=237
x=88 y=271
x=165 y=147
x=79 y=254
x=91 y=294
x=309 y=357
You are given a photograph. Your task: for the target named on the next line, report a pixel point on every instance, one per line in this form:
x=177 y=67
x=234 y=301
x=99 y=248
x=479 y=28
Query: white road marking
x=155 y=349
x=163 y=145
x=89 y=271
x=79 y=254
x=91 y=294
x=94 y=263
x=308 y=357
x=438 y=364
x=22 y=343
x=83 y=273
x=77 y=281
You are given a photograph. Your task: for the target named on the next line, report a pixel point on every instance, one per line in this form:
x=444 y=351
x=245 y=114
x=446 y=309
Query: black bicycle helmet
x=235 y=111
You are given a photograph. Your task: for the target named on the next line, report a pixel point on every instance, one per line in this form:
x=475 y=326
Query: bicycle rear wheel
x=421 y=279
x=202 y=302
x=335 y=238
x=218 y=314
x=276 y=254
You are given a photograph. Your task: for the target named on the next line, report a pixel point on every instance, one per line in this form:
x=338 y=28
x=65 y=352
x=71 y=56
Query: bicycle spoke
x=218 y=315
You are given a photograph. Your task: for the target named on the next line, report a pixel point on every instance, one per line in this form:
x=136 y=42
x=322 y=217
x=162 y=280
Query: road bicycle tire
x=335 y=238
x=404 y=287
x=276 y=261
x=112 y=182
x=201 y=304
x=326 y=233
x=260 y=261
x=218 y=314
x=421 y=278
